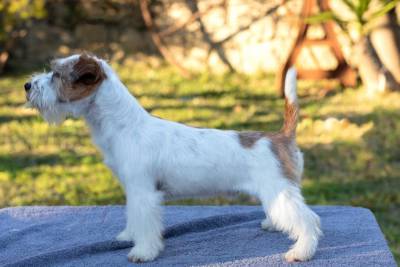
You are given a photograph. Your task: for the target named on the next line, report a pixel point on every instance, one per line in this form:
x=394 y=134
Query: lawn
x=350 y=141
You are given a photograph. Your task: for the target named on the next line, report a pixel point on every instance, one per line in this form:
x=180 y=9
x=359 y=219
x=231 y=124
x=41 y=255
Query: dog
x=151 y=156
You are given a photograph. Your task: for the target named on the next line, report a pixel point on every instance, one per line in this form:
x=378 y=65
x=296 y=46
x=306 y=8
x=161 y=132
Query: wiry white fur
x=44 y=98
x=143 y=151
x=291 y=85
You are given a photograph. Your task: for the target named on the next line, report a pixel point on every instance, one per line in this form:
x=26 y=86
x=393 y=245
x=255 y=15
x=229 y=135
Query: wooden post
x=343 y=71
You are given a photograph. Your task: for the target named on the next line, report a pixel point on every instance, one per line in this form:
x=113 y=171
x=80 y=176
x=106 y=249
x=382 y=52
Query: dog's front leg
x=124 y=235
x=144 y=223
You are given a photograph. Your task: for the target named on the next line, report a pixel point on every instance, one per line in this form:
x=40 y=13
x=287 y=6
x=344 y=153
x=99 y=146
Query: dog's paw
x=267 y=225
x=293 y=255
x=124 y=236
x=144 y=253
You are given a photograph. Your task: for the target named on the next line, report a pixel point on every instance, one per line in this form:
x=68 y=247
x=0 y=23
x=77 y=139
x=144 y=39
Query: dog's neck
x=112 y=106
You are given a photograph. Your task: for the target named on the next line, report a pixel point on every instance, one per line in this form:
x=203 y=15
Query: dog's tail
x=291 y=104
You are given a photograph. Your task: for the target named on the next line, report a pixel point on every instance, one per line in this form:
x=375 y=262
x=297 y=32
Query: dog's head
x=64 y=89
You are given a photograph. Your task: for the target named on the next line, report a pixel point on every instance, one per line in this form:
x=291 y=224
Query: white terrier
x=151 y=156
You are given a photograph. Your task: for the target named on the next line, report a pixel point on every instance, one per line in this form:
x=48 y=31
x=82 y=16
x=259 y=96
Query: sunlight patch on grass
x=330 y=130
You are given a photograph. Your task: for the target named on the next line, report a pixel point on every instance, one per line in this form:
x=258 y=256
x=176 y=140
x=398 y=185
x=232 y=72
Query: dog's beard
x=51 y=110
x=53 y=115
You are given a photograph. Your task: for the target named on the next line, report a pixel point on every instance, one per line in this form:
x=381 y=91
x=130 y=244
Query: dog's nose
x=27 y=86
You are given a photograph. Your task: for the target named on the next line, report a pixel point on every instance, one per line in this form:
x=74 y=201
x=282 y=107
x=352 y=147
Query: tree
x=377 y=44
x=13 y=14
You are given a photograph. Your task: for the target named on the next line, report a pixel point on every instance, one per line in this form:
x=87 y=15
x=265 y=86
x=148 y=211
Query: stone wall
x=256 y=41
x=111 y=29
x=114 y=29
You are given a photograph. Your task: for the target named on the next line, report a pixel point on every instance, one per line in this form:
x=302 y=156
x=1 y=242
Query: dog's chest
x=106 y=144
x=111 y=160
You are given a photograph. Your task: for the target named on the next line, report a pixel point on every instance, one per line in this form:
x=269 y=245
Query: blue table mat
x=194 y=236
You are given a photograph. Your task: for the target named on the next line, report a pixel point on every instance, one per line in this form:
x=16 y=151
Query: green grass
x=351 y=142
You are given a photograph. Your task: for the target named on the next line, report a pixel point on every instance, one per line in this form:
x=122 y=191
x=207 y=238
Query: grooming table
x=194 y=235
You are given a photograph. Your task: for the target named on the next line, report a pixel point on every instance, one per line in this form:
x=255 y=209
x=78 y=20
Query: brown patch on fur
x=248 y=139
x=284 y=148
x=79 y=78
x=291 y=117
x=87 y=74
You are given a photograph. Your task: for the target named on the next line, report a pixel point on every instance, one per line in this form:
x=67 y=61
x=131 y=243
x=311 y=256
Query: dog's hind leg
x=288 y=213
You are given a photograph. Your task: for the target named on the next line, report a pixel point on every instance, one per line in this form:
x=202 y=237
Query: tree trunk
x=374 y=75
x=385 y=39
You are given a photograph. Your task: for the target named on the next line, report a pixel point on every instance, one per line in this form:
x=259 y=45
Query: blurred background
x=213 y=64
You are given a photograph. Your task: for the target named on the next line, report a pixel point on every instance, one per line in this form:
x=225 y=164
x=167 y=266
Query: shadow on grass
x=18 y=162
x=184 y=105
x=24 y=118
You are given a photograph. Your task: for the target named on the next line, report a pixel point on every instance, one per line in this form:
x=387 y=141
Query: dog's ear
x=87 y=71
x=87 y=74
